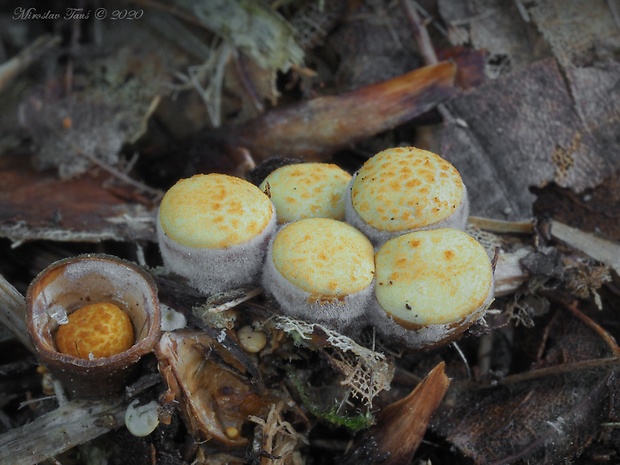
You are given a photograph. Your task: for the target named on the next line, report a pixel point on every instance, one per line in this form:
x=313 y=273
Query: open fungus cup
x=70 y=284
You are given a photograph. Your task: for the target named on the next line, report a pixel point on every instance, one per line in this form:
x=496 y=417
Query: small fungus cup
x=307 y=190
x=321 y=270
x=213 y=230
x=430 y=287
x=93 y=288
x=405 y=189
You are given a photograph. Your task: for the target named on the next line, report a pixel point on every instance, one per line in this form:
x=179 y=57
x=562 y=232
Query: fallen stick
x=73 y=424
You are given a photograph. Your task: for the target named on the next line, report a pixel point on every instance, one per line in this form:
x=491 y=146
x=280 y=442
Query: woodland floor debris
x=100 y=117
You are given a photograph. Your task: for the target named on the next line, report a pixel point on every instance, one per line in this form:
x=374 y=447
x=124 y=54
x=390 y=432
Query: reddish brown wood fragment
x=316 y=128
x=471 y=64
x=37 y=205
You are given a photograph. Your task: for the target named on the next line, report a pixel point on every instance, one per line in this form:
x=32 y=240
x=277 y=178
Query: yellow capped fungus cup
x=321 y=270
x=307 y=190
x=405 y=189
x=430 y=286
x=213 y=230
x=95 y=330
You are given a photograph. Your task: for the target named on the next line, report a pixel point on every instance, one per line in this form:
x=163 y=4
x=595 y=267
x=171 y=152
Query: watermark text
x=75 y=14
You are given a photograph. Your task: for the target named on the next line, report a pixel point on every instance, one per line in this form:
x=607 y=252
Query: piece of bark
x=37 y=205
x=519 y=131
x=317 y=128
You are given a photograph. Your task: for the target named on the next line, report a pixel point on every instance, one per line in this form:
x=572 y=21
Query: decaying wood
x=60 y=430
x=13 y=311
x=317 y=128
x=37 y=205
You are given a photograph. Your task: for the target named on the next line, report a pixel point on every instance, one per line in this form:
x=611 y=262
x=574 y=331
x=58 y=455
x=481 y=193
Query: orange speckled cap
x=214 y=211
x=324 y=256
x=307 y=190
x=438 y=276
x=406 y=188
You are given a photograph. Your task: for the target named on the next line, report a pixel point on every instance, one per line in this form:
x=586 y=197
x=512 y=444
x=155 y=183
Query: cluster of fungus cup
x=91 y=319
x=322 y=270
x=307 y=190
x=213 y=230
x=405 y=189
x=220 y=232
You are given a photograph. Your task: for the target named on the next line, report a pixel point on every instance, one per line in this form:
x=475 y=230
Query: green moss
x=362 y=420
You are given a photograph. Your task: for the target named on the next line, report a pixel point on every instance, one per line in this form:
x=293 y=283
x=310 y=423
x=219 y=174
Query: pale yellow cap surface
x=437 y=276
x=214 y=211
x=406 y=188
x=324 y=256
x=307 y=190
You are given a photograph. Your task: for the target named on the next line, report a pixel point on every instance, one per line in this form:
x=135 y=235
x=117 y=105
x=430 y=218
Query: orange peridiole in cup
x=96 y=330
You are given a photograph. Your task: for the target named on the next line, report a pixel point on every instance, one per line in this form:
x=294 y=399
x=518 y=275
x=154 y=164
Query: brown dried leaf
x=546 y=415
x=401 y=425
x=529 y=129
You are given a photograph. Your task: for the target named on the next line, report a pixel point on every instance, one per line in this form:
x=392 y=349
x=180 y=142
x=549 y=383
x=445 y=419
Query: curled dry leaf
x=214 y=396
x=401 y=425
